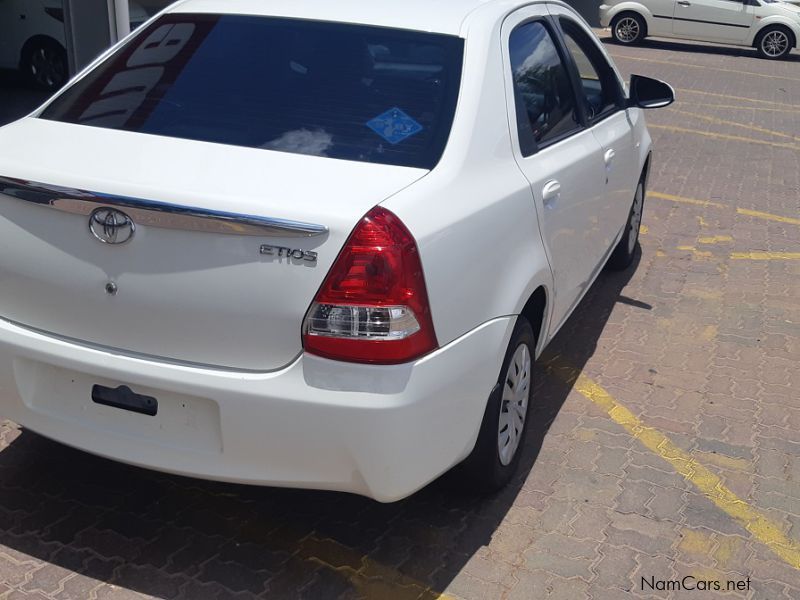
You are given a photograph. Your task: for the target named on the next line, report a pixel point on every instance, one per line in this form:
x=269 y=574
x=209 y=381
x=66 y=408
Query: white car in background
x=771 y=26
x=335 y=274
x=33 y=40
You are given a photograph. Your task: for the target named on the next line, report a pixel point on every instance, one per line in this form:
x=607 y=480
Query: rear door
x=601 y=94
x=722 y=20
x=561 y=158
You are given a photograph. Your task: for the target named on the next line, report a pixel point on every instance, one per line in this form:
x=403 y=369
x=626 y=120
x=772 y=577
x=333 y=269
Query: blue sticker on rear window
x=394 y=126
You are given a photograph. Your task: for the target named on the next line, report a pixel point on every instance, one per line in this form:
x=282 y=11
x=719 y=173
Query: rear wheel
x=628 y=28
x=625 y=251
x=496 y=455
x=774 y=42
x=44 y=64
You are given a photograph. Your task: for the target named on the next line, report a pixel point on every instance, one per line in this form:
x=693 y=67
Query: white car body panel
x=212 y=295
x=722 y=21
x=365 y=429
x=243 y=403
x=440 y=16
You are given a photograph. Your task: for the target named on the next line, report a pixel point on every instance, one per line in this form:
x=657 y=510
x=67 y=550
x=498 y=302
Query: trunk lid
x=189 y=296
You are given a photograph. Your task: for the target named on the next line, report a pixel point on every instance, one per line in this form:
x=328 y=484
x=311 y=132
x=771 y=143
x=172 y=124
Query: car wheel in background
x=623 y=254
x=493 y=461
x=44 y=64
x=774 y=42
x=628 y=28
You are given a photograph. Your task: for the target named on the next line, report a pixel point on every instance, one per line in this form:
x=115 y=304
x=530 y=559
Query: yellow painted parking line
x=709 y=484
x=704 y=67
x=709 y=333
x=758 y=108
x=371 y=579
x=714 y=239
x=718 y=121
x=725 y=136
x=684 y=200
x=765 y=256
x=741 y=98
x=695 y=251
x=769 y=217
x=757 y=214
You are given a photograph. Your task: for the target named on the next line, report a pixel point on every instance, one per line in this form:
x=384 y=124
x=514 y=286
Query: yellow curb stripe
x=765 y=256
x=684 y=200
x=770 y=217
x=742 y=98
x=718 y=121
x=725 y=136
x=705 y=67
x=709 y=484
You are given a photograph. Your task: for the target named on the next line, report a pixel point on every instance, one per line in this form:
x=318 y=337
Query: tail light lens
x=373 y=306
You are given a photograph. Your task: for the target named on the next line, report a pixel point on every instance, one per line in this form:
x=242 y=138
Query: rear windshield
x=343 y=91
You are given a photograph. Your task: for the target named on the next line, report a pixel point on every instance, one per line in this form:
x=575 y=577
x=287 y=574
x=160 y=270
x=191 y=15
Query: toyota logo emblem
x=111 y=226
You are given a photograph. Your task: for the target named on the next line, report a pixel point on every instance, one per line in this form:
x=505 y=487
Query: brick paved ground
x=701 y=346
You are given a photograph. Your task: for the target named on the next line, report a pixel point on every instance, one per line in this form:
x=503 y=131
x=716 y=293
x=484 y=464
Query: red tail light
x=373 y=306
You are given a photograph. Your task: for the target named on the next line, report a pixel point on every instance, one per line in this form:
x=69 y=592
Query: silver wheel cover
x=627 y=30
x=514 y=404
x=775 y=43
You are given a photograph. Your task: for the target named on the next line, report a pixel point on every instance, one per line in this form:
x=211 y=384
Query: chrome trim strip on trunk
x=155 y=214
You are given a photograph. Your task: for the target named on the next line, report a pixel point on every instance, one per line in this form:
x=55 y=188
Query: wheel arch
x=536 y=311
x=646 y=169
x=632 y=7
x=773 y=22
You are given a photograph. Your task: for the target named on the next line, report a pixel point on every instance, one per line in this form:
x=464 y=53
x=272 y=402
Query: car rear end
x=195 y=272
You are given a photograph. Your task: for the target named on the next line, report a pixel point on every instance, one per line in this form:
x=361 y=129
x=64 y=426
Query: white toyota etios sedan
x=771 y=26
x=314 y=244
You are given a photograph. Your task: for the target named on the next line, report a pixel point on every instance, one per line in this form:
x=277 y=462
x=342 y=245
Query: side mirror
x=650 y=93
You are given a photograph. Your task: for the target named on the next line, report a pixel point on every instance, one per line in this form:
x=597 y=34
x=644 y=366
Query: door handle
x=609 y=157
x=551 y=192
x=684 y=3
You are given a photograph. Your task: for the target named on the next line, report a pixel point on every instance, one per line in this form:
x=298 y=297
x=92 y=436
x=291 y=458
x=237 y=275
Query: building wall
x=588 y=10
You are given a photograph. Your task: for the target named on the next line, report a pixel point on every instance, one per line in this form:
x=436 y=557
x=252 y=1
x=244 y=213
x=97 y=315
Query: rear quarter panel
x=474 y=216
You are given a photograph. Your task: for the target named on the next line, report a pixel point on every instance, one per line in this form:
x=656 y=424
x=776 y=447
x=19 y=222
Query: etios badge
x=111 y=226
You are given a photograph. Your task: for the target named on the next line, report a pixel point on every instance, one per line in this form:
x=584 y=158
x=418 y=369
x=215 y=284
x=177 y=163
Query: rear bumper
x=378 y=431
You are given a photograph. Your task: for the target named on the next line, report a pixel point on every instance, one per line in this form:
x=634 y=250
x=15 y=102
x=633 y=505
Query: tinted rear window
x=342 y=91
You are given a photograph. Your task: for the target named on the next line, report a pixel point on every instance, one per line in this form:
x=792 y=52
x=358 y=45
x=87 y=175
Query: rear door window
x=546 y=110
x=600 y=90
x=324 y=89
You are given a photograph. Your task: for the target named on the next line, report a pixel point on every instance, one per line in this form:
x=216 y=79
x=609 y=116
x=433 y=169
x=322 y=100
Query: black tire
x=628 y=28
x=484 y=470
x=775 y=42
x=624 y=253
x=44 y=64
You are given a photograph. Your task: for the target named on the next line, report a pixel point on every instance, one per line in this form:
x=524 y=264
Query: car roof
x=438 y=16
